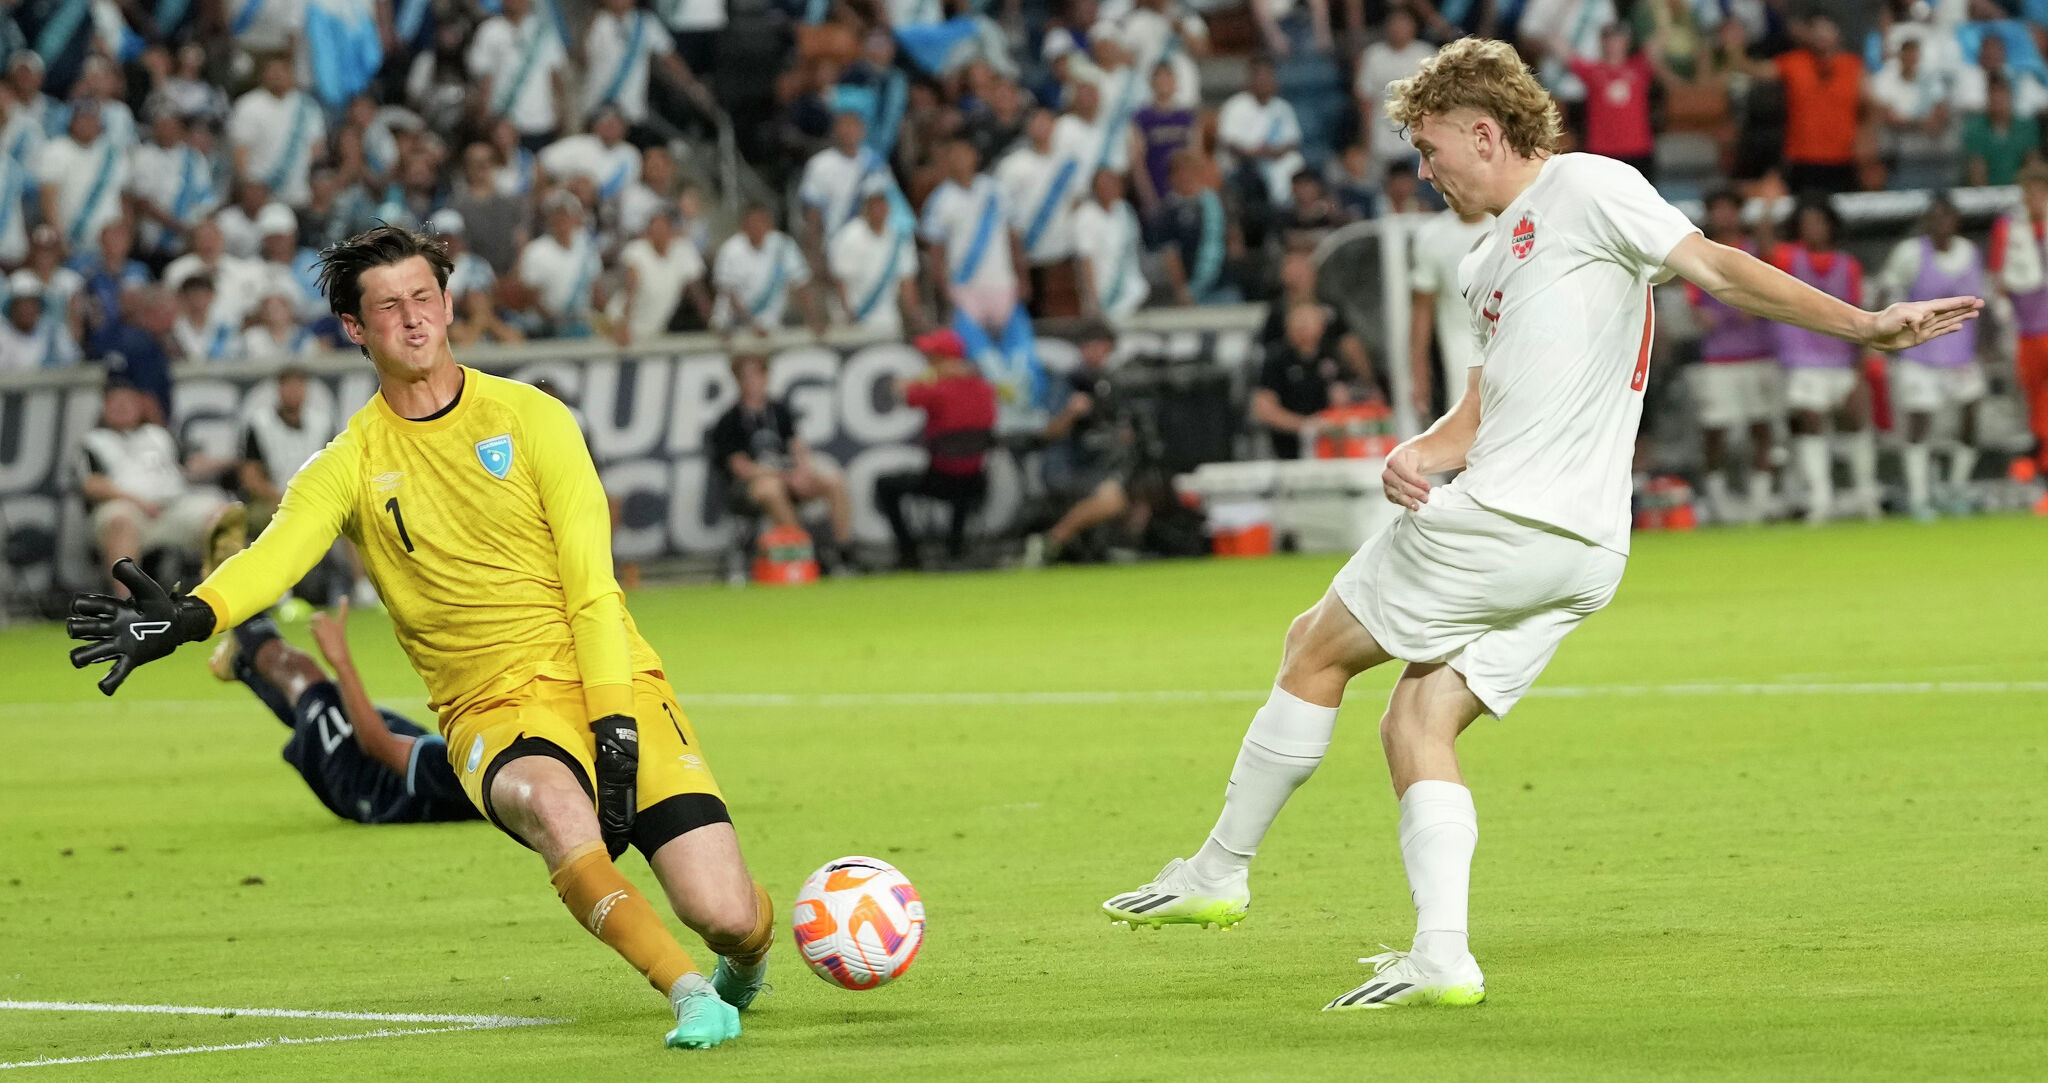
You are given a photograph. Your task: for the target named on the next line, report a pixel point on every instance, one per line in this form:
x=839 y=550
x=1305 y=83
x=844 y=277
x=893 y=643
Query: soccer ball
x=858 y=922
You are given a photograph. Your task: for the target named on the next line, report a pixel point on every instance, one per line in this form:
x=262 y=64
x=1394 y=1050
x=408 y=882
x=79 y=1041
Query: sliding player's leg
x=524 y=759
x=688 y=837
x=1325 y=647
x=278 y=673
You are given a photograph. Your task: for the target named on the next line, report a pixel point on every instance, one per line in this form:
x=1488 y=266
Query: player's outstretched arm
x=1756 y=287
x=143 y=627
x=330 y=634
x=1442 y=446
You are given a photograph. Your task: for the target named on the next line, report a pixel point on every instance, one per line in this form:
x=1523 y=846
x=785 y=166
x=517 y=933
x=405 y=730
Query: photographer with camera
x=1089 y=455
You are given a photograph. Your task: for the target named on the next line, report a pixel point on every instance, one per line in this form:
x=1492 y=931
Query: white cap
x=24 y=284
x=446 y=221
x=276 y=218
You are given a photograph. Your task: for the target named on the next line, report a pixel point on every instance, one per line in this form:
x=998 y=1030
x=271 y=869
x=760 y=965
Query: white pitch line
x=1213 y=695
x=260 y=1043
x=455 y=1023
x=271 y=1013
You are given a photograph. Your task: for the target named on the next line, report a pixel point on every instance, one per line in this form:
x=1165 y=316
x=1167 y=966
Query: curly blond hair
x=1487 y=77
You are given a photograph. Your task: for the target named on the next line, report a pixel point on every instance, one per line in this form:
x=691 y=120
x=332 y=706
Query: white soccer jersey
x=89 y=182
x=610 y=168
x=279 y=135
x=759 y=278
x=620 y=54
x=1041 y=191
x=520 y=62
x=561 y=274
x=1244 y=124
x=1110 y=240
x=1559 y=292
x=871 y=268
x=1440 y=245
x=972 y=223
x=832 y=184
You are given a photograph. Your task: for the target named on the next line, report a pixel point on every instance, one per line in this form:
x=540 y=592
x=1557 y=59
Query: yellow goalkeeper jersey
x=487 y=534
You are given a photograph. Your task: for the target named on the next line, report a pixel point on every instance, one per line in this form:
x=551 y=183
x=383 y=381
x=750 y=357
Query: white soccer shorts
x=1489 y=595
x=1818 y=389
x=1728 y=394
x=1923 y=389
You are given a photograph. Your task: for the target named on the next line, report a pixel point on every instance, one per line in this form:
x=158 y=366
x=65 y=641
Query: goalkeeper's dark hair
x=342 y=264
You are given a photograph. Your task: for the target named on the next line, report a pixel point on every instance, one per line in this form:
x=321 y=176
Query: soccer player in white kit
x=1477 y=584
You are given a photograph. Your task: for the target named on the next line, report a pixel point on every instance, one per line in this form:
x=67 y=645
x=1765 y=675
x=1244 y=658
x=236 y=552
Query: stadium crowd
x=169 y=172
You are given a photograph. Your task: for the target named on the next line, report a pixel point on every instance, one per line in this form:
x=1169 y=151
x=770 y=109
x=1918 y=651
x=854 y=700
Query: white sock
x=1717 y=495
x=1439 y=830
x=1863 y=468
x=1286 y=741
x=1817 y=470
x=1918 y=463
x=1761 y=491
x=1962 y=463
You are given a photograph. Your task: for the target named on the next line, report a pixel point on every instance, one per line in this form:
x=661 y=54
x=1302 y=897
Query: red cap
x=944 y=342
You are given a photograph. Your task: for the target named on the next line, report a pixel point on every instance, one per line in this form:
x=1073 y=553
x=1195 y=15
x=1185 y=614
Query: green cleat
x=702 y=1019
x=739 y=985
x=1176 y=897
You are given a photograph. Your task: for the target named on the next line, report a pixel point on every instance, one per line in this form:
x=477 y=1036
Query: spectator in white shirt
x=17 y=181
x=1041 y=187
x=237 y=220
x=25 y=78
x=139 y=486
x=1090 y=134
x=1911 y=101
x=1395 y=57
x=2029 y=96
x=200 y=334
x=521 y=71
x=278 y=132
x=61 y=288
x=561 y=267
x=873 y=264
x=1261 y=138
x=472 y=285
x=661 y=269
x=969 y=252
x=287 y=271
x=238 y=283
x=1110 y=242
x=601 y=154
x=620 y=50
x=26 y=342
x=83 y=175
x=755 y=273
x=651 y=193
x=834 y=180
x=172 y=183
x=275 y=332
x=1156 y=34
x=1552 y=32
x=100 y=83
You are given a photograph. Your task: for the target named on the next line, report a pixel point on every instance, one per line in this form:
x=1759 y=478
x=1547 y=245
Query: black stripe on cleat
x=1151 y=904
x=1391 y=990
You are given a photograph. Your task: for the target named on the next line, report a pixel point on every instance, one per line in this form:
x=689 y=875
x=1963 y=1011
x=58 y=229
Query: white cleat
x=1177 y=897
x=1404 y=980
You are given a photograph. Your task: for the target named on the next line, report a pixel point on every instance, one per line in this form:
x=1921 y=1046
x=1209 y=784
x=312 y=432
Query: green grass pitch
x=1838 y=876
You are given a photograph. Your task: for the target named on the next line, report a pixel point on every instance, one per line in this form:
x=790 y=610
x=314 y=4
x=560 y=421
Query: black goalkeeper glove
x=618 y=779
x=143 y=627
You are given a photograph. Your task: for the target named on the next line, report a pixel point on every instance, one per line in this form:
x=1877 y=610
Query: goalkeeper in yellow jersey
x=480 y=518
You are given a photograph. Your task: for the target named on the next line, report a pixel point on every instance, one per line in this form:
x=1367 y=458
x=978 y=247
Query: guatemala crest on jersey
x=496 y=455
x=1524 y=240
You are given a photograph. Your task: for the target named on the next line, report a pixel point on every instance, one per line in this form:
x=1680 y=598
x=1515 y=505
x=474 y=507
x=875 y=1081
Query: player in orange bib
x=480 y=519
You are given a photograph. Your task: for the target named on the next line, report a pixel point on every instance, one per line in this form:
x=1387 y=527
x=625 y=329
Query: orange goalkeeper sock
x=750 y=949
x=598 y=894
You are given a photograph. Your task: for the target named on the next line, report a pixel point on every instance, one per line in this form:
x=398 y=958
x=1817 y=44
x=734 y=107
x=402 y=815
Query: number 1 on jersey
x=398 y=520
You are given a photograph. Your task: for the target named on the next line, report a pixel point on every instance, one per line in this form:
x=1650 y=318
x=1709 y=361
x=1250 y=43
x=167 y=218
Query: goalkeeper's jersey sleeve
x=488 y=536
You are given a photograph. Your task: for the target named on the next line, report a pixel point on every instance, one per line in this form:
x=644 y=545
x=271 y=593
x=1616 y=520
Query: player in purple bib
x=1736 y=386
x=1820 y=372
x=1942 y=372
